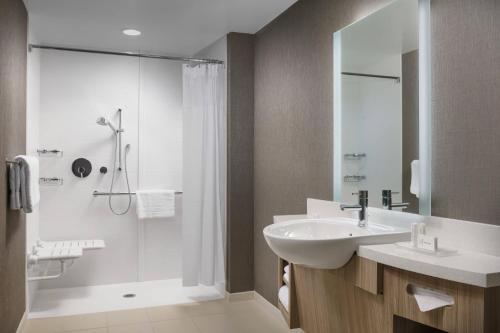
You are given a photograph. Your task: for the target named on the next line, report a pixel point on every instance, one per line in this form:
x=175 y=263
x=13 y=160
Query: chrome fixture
x=354 y=178
x=98 y=194
x=104 y=122
x=51 y=152
x=118 y=151
x=397 y=79
x=355 y=156
x=118 y=132
x=387 y=201
x=360 y=207
x=127 y=54
x=51 y=181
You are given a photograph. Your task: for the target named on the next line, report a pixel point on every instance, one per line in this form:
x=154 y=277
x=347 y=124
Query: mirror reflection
x=378 y=109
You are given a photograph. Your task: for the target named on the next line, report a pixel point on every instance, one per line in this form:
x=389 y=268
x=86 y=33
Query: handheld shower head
x=104 y=122
x=101 y=121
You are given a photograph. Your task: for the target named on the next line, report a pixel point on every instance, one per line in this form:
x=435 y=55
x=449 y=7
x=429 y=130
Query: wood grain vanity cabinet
x=367 y=297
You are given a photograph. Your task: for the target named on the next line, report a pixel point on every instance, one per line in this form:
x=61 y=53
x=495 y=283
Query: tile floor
x=222 y=316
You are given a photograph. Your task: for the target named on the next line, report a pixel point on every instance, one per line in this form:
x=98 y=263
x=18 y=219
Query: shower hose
x=127 y=148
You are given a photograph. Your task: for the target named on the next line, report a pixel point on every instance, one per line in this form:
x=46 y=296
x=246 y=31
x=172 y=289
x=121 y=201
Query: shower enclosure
x=142 y=258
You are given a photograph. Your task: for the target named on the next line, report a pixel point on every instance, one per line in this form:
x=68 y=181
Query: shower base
x=103 y=298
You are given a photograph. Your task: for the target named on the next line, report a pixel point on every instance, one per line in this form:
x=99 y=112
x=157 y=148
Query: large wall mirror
x=382 y=108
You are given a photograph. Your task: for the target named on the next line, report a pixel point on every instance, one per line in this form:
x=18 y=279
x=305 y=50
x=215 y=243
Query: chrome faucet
x=360 y=207
x=387 y=201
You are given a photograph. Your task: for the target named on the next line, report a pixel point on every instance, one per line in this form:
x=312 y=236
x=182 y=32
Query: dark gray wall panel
x=409 y=63
x=294 y=117
x=466 y=109
x=13 y=39
x=240 y=62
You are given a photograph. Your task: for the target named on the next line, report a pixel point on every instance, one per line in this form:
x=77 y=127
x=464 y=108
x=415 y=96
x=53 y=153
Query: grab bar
x=98 y=194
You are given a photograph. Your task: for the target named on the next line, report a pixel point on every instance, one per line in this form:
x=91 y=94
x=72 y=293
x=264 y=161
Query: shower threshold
x=104 y=298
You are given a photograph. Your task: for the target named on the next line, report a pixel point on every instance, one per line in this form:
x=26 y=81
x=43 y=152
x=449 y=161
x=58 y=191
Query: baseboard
x=242 y=296
x=20 y=327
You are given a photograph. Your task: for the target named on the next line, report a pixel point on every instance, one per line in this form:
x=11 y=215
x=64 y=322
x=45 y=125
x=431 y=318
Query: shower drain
x=129 y=296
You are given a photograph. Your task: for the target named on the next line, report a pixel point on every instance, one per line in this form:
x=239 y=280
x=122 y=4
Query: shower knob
x=81 y=167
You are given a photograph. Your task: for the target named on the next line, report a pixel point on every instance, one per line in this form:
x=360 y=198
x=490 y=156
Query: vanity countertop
x=473 y=268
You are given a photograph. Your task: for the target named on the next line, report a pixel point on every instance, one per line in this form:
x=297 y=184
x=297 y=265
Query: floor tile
x=244 y=307
x=245 y=317
x=220 y=323
x=260 y=322
x=64 y=324
x=94 y=330
x=206 y=308
x=132 y=328
x=167 y=312
x=175 y=326
x=136 y=316
x=243 y=296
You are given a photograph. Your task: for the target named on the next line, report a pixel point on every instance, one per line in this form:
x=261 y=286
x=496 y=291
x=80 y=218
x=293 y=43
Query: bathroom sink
x=326 y=243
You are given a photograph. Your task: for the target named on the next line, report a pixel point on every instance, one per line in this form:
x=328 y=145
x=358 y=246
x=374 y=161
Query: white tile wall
x=160 y=164
x=365 y=101
x=32 y=144
x=76 y=89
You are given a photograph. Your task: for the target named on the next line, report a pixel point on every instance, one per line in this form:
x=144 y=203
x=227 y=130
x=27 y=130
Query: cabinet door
x=466 y=315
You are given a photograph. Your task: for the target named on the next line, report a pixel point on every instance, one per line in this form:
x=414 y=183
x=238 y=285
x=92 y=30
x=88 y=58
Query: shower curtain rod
x=396 y=78
x=127 y=54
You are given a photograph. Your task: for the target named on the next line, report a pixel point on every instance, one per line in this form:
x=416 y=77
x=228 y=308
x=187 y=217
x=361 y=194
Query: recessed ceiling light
x=131 y=32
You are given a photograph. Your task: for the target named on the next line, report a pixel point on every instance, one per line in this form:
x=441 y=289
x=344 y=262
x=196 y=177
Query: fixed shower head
x=104 y=122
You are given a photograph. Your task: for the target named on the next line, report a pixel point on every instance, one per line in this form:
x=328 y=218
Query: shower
x=104 y=122
x=118 y=151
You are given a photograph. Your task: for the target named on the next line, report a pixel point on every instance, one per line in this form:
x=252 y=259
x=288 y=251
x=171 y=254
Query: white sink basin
x=326 y=243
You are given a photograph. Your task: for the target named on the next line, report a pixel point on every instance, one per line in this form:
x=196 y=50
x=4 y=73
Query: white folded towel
x=24 y=183
x=287 y=269
x=283 y=296
x=415 y=178
x=155 y=203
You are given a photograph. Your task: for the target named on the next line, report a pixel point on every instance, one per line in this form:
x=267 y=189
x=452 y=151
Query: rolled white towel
x=286 y=278
x=283 y=296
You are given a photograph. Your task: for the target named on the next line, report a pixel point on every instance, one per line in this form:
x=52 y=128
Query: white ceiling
x=175 y=27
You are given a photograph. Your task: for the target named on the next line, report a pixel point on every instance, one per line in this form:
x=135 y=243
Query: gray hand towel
x=15 y=187
x=30 y=191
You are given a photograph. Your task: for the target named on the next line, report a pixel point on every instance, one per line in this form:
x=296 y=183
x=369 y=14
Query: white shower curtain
x=204 y=175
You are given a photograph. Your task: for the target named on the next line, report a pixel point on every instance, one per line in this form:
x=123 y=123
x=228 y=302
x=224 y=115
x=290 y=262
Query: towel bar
x=11 y=162
x=98 y=194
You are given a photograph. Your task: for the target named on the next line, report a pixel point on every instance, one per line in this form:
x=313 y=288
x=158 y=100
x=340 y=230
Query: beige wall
x=293 y=113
